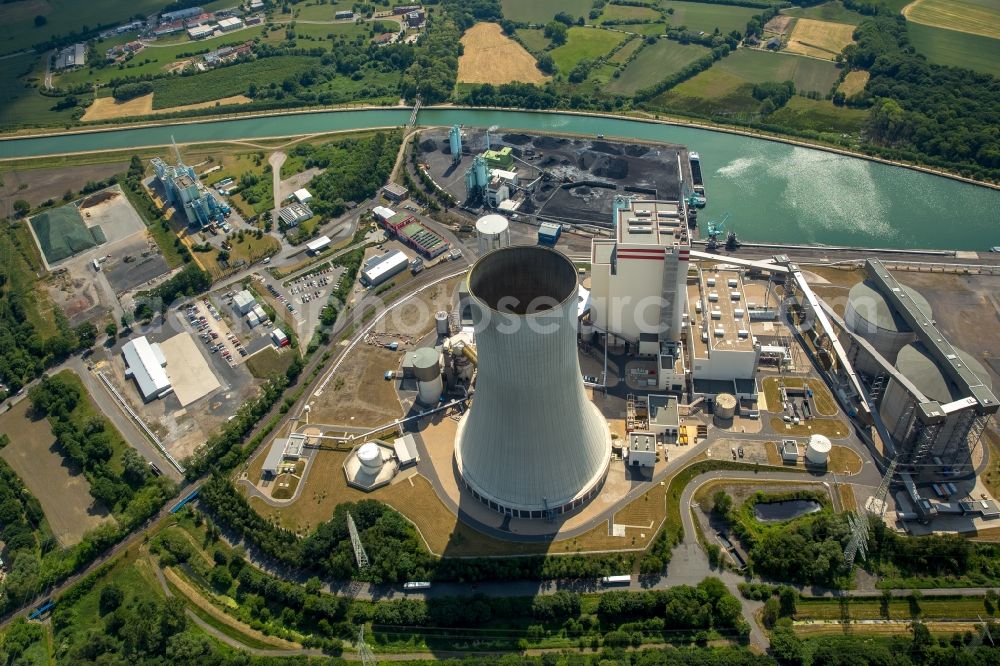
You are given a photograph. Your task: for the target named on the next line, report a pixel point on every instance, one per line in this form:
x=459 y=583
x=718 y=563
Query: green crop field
x=828 y=11
x=726 y=87
x=534 y=39
x=958 y=49
x=542 y=11
x=697 y=16
x=625 y=13
x=18 y=31
x=653 y=64
x=226 y=81
x=584 y=43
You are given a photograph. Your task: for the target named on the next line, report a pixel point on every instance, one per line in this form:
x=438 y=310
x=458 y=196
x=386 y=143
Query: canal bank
x=774 y=192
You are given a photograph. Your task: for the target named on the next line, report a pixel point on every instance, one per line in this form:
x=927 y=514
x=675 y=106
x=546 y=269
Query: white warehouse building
x=144 y=362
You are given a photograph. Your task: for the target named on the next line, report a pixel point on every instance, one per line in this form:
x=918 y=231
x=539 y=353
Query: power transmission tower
x=861 y=523
x=359 y=550
x=367 y=657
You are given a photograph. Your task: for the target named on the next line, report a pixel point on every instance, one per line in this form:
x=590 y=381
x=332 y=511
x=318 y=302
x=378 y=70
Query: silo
x=493 y=232
x=531 y=445
x=455 y=143
x=725 y=407
x=481 y=171
x=370 y=457
x=427 y=371
x=818 y=450
x=441 y=323
x=871 y=316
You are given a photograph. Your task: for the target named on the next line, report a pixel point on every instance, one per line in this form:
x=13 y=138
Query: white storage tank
x=427 y=370
x=869 y=315
x=586 y=331
x=493 y=232
x=370 y=457
x=725 y=406
x=818 y=450
x=441 y=323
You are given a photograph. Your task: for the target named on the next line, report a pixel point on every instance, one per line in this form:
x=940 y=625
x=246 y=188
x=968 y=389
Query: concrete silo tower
x=531 y=445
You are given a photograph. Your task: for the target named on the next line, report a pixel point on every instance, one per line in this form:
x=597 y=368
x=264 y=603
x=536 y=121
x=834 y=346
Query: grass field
x=655 y=63
x=18 y=31
x=819 y=39
x=697 y=16
x=63 y=493
x=820 y=115
x=854 y=82
x=726 y=87
x=625 y=13
x=584 y=43
x=489 y=56
x=533 y=38
x=961 y=608
x=828 y=11
x=956 y=49
x=268 y=361
x=623 y=54
x=977 y=17
x=542 y=11
x=20 y=102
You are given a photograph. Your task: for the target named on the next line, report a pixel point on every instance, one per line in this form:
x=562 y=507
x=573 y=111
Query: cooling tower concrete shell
x=869 y=315
x=531 y=443
x=818 y=450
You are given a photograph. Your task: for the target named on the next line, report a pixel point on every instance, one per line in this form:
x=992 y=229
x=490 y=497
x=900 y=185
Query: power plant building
x=145 y=362
x=187 y=195
x=532 y=445
x=378 y=269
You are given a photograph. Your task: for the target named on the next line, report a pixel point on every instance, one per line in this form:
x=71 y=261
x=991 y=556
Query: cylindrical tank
x=427 y=370
x=493 y=232
x=818 y=450
x=370 y=456
x=869 y=315
x=481 y=171
x=441 y=323
x=725 y=406
x=531 y=445
x=586 y=331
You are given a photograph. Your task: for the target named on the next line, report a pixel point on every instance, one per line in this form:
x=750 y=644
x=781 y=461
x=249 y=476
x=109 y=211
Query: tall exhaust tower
x=531 y=445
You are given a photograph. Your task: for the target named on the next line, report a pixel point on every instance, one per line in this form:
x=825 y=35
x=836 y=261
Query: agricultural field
x=311 y=35
x=829 y=11
x=584 y=43
x=726 y=87
x=20 y=101
x=623 y=54
x=319 y=11
x=956 y=49
x=697 y=16
x=542 y=11
x=819 y=39
x=653 y=64
x=104 y=108
x=533 y=38
x=854 y=82
x=489 y=56
x=18 y=31
x=627 y=13
x=976 y=17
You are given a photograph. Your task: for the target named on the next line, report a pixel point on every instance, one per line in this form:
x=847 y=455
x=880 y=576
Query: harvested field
x=492 y=57
x=976 y=17
x=854 y=82
x=50 y=183
x=819 y=39
x=105 y=108
x=779 y=25
x=63 y=493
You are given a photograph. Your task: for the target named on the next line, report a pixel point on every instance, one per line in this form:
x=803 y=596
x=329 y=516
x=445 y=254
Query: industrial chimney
x=531 y=445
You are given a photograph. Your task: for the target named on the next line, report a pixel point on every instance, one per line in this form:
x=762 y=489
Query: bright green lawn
x=542 y=11
x=534 y=38
x=18 y=31
x=957 y=49
x=697 y=16
x=655 y=63
x=584 y=43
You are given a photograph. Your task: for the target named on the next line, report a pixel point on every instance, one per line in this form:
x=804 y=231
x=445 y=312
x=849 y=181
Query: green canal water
x=773 y=192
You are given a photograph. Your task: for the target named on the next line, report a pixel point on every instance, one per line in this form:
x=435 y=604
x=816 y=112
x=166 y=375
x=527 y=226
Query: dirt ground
x=63 y=493
x=38 y=185
x=492 y=57
x=778 y=25
x=105 y=108
x=819 y=39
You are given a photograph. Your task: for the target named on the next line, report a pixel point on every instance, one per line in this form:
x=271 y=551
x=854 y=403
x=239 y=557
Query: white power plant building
x=145 y=362
x=493 y=233
x=532 y=445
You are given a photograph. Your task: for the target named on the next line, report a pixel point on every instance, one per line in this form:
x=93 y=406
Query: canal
x=771 y=191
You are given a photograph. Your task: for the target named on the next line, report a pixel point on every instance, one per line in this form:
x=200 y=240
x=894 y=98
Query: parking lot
x=214 y=332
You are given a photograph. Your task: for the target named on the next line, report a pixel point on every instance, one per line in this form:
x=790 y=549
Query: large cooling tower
x=531 y=444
